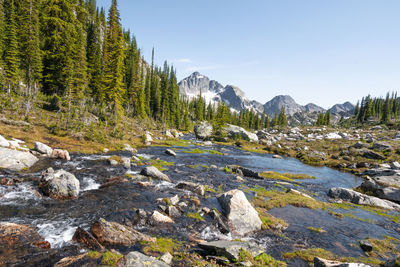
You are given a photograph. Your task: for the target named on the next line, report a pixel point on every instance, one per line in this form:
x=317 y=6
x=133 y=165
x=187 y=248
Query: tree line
x=383 y=110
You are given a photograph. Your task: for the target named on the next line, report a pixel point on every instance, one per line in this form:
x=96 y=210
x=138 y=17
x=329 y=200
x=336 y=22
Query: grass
x=285 y=176
x=110 y=258
x=200 y=151
x=196 y=216
x=385 y=247
x=270 y=222
x=94 y=254
x=260 y=260
x=316 y=229
x=197 y=166
x=161 y=246
x=309 y=255
x=160 y=164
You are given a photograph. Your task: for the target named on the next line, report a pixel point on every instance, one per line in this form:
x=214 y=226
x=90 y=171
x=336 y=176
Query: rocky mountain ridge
x=214 y=92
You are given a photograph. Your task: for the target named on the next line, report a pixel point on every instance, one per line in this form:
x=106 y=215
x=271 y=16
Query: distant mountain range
x=213 y=91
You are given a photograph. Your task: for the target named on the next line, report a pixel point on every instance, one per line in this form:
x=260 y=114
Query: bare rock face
x=153 y=172
x=59 y=184
x=115 y=234
x=20 y=244
x=239 y=212
x=15 y=160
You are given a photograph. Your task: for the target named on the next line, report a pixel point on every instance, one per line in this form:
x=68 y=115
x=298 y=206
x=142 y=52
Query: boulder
x=381 y=146
x=203 y=130
x=43 y=149
x=395 y=165
x=147 y=138
x=14 y=160
x=86 y=239
x=243 y=171
x=193 y=187
x=115 y=234
x=366 y=245
x=230 y=249
x=172 y=211
x=396 y=136
x=170 y=152
x=360 y=145
x=22 y=244
x=234 y=131
x=370 y=154
x=4 y=142
x=59 y=184
x=167 y=258
x=127 y=147
x=154 y=173
x=60 y=154
x=361 y=199
x=137 y=259
x=158 y=218
x=240 y=213
x=388 y=180
x=126 y=162
x=319 y=262
x=277 y=157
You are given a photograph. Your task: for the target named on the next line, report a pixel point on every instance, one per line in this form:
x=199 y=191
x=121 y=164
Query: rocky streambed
x=120 y=211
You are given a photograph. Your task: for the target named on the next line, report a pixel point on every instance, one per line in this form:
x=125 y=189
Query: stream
x=57 y=220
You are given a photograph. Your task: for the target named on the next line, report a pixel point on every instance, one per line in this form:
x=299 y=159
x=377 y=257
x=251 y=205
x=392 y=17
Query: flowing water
x=57 y=220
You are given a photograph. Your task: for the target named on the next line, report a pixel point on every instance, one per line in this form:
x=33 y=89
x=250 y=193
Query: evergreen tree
x=386 y=110
x=11 y=47
x=113 y=73
x=282 y=121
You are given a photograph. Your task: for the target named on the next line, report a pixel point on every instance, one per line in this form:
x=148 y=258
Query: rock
x=174 y=200
x=243 y=171
x=59 y=184
x=395 y=165
x=358 y=198
x=234 y=131
x=112 y=181
x=371 y=154
x=14 y=160
x=290 y=190
x=396 y=136
x=168 y=134
x=127 y=147
x=381 y=147
x=173 y=212
x=126 y=162
x=379 y=172
x=277 y=157
x=230 y=249
x=113 y=162
x=86 y=239
x=21 y=245
x=360 y=145
x=170 y=152
x=193 y=187
x=60 y=154
x=137 y=259
x=158 y=218
x=213 y=167
x=4 y=142
x=389 y=193
x=106 y=150
x=43 y=149
x=147 y=138
x=154 y=173
x=239 y=212
x=167 y=258
x=318 y=262
x=222 y=227
x=203 y=130
x=78 y=260
x=207 y=143
x=366 y=245
x=115 y=234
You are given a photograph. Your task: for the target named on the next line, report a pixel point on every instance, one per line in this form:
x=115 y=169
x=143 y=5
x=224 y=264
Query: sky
x=319 y=51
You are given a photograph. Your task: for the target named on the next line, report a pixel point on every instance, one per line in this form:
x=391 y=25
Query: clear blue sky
x=320 y=51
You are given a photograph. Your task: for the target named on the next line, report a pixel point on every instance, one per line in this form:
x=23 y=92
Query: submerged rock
x=170 y=152
x=203 y=130
x=319 y=262
x=15 y=160
x=230 y=249
x=193 y=187
x=137 y=259
x=239 y=212
x=358 y=198
x=115 y=234
x=59 y=184
x=153 y=172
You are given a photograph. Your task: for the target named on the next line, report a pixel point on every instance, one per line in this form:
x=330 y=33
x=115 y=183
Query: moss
x=94 y=254
x=214 y=152
x=227 y=170
x=193 y=151
x=196 y=216
x=110 y=258
x=260 y=260
x=160 y=164
x=270 y=222
x=209 y=189
x=284 y=176
x=316 y=229
x=161 y=246
x=385 y=248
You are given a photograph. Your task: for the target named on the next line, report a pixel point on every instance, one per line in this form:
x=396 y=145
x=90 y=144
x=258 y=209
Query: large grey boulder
x=361 y=199
x=59 y=184
x=388 y=180
x=381 y=191
x=234 y=131
x=43 y=149
x=15 y=160
x=319 y=262
x=370 y=154
x=242 y=217
x=137 y=259
x=230 y=249
x=203 y=130
x=154 y=173
x=4 y=142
